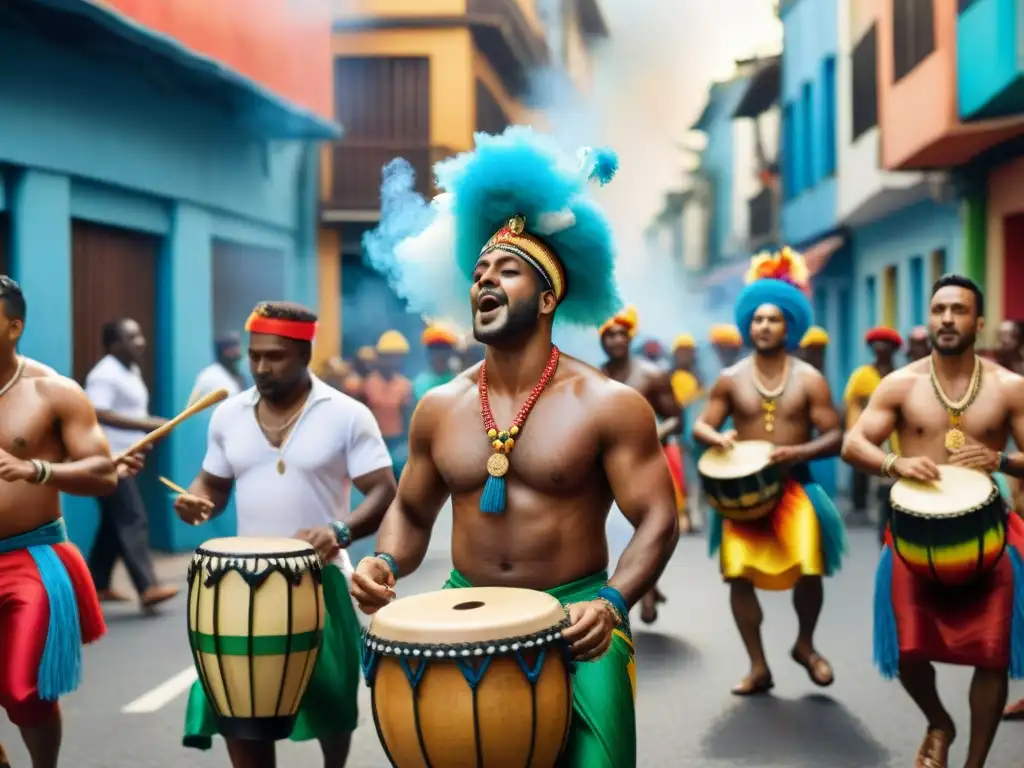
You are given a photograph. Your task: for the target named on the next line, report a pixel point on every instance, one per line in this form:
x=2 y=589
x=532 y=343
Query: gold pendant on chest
x=280 y=466
x=955 y=440
x=768 y=407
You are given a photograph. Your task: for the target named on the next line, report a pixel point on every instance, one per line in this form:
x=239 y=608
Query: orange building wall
x=284 y=45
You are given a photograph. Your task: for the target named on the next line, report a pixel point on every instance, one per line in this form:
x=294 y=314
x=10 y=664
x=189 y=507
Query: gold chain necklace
x=955 y=439
x=769 y=397
x=267 y=432
x=14 y=379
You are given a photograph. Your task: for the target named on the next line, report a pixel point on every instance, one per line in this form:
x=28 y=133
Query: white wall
x=695 y=234
x=860 y=179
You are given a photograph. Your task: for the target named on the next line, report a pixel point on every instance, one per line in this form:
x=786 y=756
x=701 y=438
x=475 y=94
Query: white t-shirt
x=110 y=386
x=335 y=439
x=212 y=378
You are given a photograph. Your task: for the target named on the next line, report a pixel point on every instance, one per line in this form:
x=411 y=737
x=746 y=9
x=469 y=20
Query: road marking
x=163 y=694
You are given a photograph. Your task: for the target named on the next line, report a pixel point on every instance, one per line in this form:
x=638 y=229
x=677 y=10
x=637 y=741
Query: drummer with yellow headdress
x=813 y=346
x=440 y=341
x=389 y=395
x=686 y=384
x=727 y=342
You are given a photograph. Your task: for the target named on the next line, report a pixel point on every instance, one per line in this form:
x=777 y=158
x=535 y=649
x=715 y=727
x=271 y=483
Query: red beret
x=881 y=333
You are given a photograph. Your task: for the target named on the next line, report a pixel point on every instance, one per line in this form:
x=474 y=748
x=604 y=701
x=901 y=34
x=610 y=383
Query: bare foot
x=758 y=682
x=818 y=669
x=934 y=751
x=1014 y=711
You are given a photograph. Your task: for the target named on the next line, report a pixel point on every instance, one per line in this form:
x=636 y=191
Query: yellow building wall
x=452 y=93
x=354 y=9
x=513 y=109
x=577 y=57
x=328 y=332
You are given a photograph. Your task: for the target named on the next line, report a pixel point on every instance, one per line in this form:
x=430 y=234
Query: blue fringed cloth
x=65 y=578
x=980 y=626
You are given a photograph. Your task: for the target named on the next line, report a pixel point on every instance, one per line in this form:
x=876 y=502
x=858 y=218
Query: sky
x=650 y=84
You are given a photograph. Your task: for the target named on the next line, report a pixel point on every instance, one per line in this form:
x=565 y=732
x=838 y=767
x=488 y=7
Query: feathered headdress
x=626 y=318
x=782 y=280
x=514 y=192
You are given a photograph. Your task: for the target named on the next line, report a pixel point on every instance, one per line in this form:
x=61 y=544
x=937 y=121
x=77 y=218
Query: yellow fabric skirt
x=775 y=551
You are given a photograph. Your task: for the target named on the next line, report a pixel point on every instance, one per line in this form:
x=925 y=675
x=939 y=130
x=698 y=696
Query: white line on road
x=163 y=694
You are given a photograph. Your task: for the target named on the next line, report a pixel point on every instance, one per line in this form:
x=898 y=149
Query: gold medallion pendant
x=280 y=466
x=497 y=465
x=955 y=440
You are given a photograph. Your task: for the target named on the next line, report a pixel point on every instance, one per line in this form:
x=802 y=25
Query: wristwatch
x=342 y=533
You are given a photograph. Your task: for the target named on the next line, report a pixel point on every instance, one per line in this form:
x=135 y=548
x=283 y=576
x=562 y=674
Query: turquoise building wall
x=85 y=140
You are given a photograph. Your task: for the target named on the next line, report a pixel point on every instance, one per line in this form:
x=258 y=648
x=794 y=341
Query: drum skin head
x=957 y=491
x=249 y=546
x=745 y=458
x=473 y=615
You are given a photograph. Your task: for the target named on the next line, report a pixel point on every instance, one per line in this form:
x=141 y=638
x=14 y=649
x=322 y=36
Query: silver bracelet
x=43 y=471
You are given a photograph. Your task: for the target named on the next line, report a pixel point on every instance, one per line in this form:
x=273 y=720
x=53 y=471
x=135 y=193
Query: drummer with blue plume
x=532 y=446
x=774 y=397
x=291 y=448
x=950 y=581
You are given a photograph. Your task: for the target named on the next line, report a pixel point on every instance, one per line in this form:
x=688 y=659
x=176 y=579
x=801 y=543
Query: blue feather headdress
x=514 y=191
x=780 y=279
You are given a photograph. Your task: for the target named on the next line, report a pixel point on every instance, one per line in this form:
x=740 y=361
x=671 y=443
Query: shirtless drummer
x=655 y=385
x=773 y=395
x=50 y=443
x=916 y=627
x=535 y=516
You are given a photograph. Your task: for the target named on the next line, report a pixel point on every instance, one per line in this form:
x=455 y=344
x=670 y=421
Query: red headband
x=274 y=326
x=884 y=334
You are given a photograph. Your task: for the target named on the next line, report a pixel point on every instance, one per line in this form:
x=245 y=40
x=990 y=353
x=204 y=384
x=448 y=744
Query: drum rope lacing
x=769 y=397
x=501 y=647
x=955 y=438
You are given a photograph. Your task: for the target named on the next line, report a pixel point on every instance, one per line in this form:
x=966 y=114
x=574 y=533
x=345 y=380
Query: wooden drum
x=740 y=483
x=952 y=531
x=470 y=678
x=255 y=620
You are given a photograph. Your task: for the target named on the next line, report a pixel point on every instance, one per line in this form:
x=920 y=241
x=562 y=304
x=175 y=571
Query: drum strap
x=60 y=669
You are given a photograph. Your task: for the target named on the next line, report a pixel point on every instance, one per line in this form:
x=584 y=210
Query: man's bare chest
x=924 y=416
x=556 y=449
x=27 y=423
x=792 y=404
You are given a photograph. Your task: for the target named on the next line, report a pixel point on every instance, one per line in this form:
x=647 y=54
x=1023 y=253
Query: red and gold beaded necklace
x=492 y=501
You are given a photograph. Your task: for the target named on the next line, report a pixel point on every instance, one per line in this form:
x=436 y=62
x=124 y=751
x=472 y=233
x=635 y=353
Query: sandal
x=818 y=669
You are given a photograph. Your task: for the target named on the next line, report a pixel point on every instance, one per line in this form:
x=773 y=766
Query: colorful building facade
x=415 y=79
x=142 y=177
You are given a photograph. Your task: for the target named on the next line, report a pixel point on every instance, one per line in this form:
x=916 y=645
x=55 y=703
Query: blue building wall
x=87 y=141
x=808 y=120
x=905 y=240
x=988 y=67
x=717 y=161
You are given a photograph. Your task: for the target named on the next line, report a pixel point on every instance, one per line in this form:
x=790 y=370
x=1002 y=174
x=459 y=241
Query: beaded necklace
x=492 y=501
x=955 y=439
x=769 y=397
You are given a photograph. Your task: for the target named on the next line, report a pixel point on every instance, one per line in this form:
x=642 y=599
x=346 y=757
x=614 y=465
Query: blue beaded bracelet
x=613 y=596
x=389 y=561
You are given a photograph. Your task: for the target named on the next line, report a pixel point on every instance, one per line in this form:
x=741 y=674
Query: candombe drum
x=255 y=621
x=470 y=678
x=951 y=531
x=740 y=483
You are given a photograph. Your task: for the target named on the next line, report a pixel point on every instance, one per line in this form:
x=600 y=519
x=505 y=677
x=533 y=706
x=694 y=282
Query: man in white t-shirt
x=119 y=394
x=222 y=374
x=291 y=448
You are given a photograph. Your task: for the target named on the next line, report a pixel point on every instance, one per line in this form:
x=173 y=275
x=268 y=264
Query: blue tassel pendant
x=1017 y=622
x=492 y=501
x=886 y=640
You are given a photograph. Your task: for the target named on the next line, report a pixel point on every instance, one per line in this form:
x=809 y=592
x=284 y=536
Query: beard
x=964 y=342
x=520 y=318
x=770 y=348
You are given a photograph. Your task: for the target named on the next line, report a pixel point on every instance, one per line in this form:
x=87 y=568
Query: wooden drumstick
x=174 y=487
x=162 y=431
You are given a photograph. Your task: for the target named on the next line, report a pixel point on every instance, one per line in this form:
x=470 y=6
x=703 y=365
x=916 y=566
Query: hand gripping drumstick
x=162 y=431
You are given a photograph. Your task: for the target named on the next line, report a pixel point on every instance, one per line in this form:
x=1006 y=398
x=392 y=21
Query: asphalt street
x=130 y=707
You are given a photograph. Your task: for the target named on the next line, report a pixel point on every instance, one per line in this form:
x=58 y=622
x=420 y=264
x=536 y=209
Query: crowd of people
x=533 y=448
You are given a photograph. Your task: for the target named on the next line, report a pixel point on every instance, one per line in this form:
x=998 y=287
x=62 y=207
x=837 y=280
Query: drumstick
x=173 y=486
x=162 y=431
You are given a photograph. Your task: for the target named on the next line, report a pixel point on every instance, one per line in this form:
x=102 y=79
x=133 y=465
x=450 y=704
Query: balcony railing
x=763 y=218
x=356 y=171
